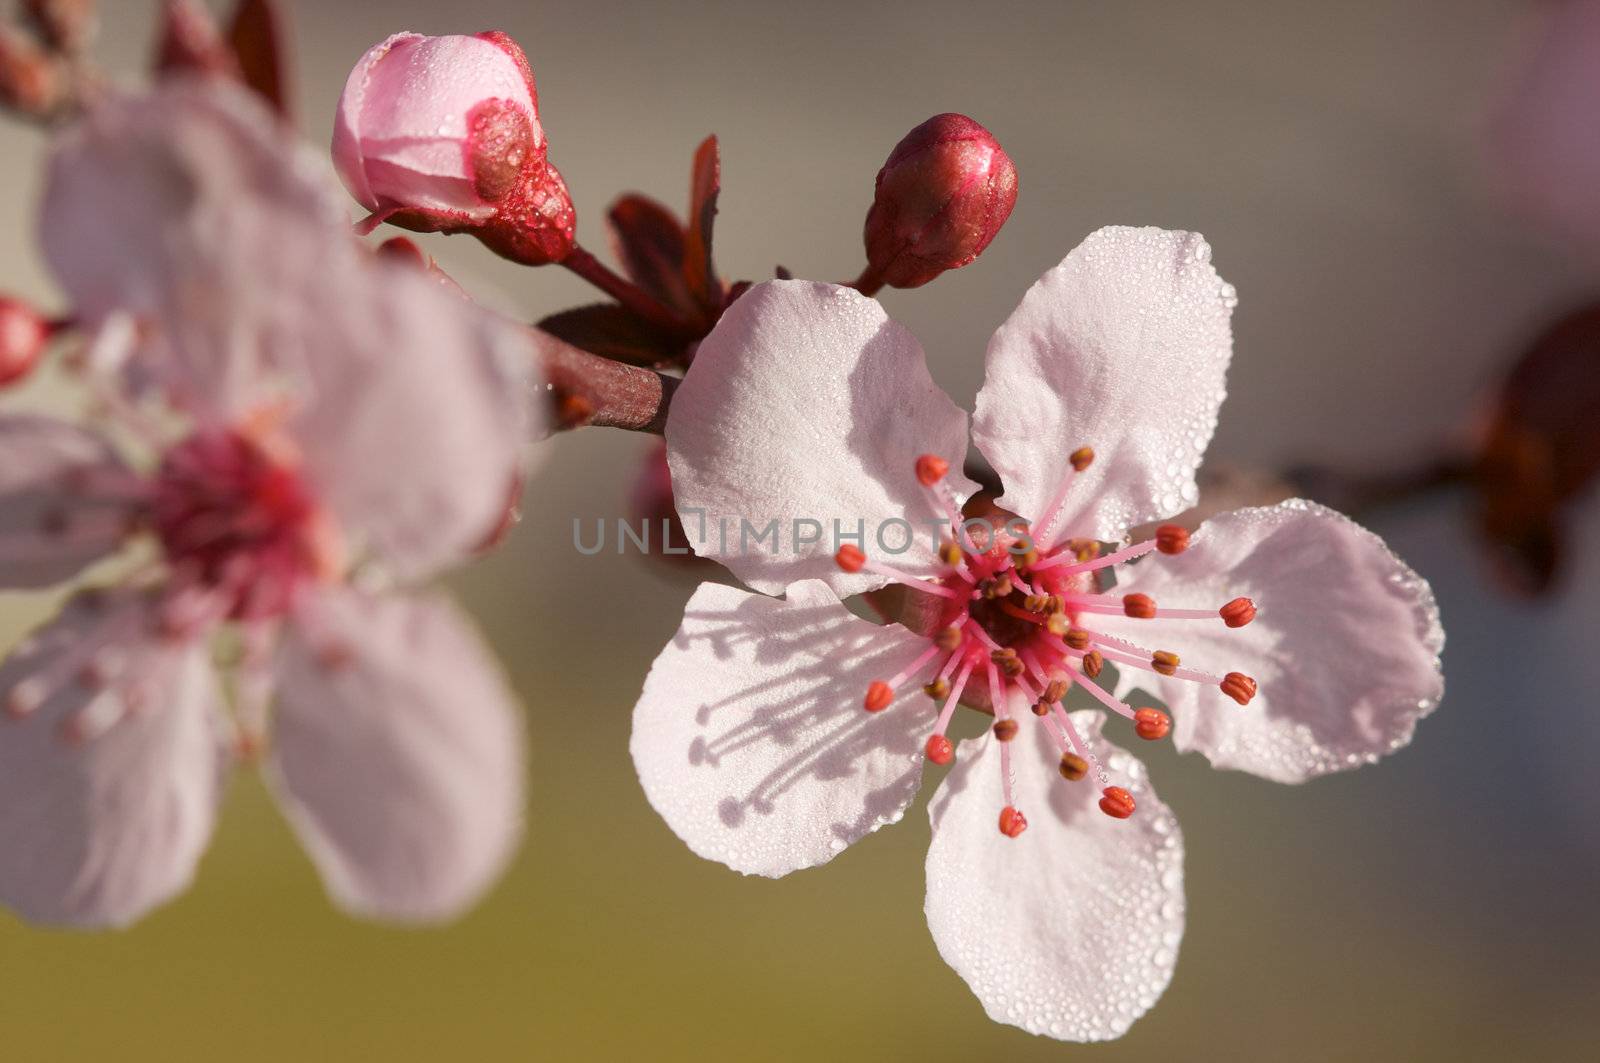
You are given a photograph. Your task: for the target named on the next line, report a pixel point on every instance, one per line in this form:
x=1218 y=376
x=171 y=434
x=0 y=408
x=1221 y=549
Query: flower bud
x=941 y=197
x=442 y=134
x=22 y=338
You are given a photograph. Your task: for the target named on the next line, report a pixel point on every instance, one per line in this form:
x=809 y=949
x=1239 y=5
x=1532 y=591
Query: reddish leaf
x=611 y=331
x=649 y=242
x=706 y=182
x=1542 y=449
x=191 y=41
x=260 y=38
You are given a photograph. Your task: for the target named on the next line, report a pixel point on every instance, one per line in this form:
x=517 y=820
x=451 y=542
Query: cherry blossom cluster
x=296 y=428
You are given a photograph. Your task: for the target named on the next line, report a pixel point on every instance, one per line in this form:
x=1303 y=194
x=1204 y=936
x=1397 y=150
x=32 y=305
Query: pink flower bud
x=442 y=134
x=22 y=338
x=941 y=197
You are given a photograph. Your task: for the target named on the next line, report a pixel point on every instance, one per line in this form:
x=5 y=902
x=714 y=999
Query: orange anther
x=948 y=639
x=1239 y=687
x=1151 y=724
x=1238 y=612
x=879 y=694
x=1056 y=690
x=931 y=469
x=850 y=558
x=1116 y=802
x=1005 y=730
x=1077 y=638
x=950 y=554
x=1041 y=708
x=1081 y=458
x=1073 y=767
x=1012 y=822
x=1093 y=663
x=1164 y=662
x=938 y=690
x=1172 y=538
x=939 y=749
x=1139 y=606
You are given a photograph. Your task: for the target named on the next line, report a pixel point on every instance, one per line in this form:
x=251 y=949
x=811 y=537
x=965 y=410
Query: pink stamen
x=1002 y=711
x=913 y=668
x=913 y=582
x=1076 y=567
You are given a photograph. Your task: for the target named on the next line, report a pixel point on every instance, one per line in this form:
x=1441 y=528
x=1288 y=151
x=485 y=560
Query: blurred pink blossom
x=1545 y=139
x=340 y=419
x=807 y=402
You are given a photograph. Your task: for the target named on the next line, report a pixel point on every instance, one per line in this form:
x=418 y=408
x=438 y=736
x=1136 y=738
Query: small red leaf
x=260 y=38
x=191 y=41
x=698 y=268
x=649 y=242
x=1542 y=448
x=614 y=332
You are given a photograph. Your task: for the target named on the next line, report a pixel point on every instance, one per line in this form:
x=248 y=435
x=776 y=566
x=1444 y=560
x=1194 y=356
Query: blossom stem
x=626 y=292
x=587 y=389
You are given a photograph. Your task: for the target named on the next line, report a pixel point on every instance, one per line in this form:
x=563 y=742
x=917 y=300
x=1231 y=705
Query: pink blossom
x=443 y=134
x=336 y=419
x=773 y=732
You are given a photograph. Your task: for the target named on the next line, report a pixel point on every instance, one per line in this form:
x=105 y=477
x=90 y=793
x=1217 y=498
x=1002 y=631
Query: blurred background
x=1439 y=906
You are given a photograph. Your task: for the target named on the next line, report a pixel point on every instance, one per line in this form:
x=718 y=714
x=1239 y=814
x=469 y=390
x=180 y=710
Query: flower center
x=1017 y=616
x=238 y=524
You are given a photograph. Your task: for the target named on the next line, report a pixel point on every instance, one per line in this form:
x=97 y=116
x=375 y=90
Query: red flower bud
x=941 y=197
x=22 y=338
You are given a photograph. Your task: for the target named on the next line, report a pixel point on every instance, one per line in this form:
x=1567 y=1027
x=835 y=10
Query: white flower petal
x=1344 y=648
x=66 y=500
x=418 y=409
x=194 y=209
x=750 y=737
x=99 y=831
x=397 y=755
x=807 y=403
x=1123 y=348
x=1071 y=929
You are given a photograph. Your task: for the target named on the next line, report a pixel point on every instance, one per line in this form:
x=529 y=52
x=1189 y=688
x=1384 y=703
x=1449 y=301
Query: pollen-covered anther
x=1058 y=624
x=999 y=587
x=1073 y=767
x=1008 y=661
x=1239 y=687
x=938 y=690
x=931 y=469
x=1116 y=802
x=950 y=554
x=949 y=638
x=1076 y=638
x=1081 y=458
x=1005 y=730
x=1012 y=822
x=1056 y=690
x=850 y=558
x=1041 y=708
x=1083 y=549
x=1151 y=724
x=939 y=749
x=1093 y=664
x=1172 y=538
x=1238 y=612
x=1139 y=606
x=879 y=694
x=1164 y=661
x=1037 y=603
